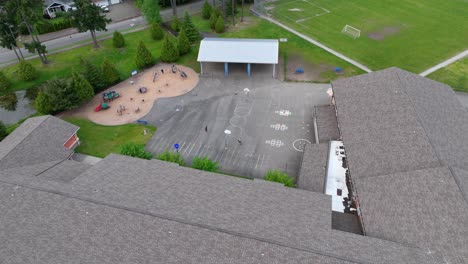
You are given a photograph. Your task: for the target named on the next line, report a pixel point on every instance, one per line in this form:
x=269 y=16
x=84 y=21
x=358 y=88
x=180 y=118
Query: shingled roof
x=37 y=140
x=406 y=139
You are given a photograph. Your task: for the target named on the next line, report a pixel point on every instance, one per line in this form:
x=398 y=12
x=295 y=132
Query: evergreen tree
x=110 y=73
x=150 y=10
x=26 y=72
x=81 y=88
x=190 y=30
x=206 y=10
x=94 y=76
x=143 y=57
x=220 y=27
x=156 y=31
x=169 y=52
x=175 y=25
x=213 y=19
x=4 y=83
x=118 y=40
x=183 y=44
x=43 y=104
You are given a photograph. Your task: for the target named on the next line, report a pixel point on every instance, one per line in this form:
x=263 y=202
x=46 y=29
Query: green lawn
x=259 y=28
x=455 y=75
x=100 y=141
x=416 y=34
x=62 y=64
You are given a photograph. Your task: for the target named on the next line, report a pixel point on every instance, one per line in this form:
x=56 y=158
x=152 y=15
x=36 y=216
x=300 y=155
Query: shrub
x=280 y=177
x=118 y=40
x=151 y=12
x=4 y=83
x=46 y=26
x=3 y=131
x=57 y=95
x=171 y=157
x=183 y=44
x=206 y=10
x=213 y=19
x=9 y=101
x=205 y=164
x=169 y=52
x=190 y=30
x=82 y=88
x=175 y=25
x=220 y=27
x=110 y=74
x=156 y=31
x=144 y=58
x=26 y=71
x=135 y=150
x=94 y=76
x=42 y=103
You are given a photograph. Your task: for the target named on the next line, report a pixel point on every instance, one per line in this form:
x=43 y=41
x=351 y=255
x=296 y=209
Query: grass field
x=455 y=75
x=100 y=141
x=413 y=35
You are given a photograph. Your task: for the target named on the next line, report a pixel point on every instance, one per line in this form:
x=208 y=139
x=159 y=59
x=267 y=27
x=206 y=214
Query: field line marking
x=258 y=158
x=316 y=43
x=191 y=149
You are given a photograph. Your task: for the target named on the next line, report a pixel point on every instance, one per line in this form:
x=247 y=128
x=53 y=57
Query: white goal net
x=351 y=31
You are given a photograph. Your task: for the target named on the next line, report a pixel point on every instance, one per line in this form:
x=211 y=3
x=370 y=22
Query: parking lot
x=268 y=125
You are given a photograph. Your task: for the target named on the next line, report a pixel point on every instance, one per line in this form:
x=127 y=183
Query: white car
x=105 y=9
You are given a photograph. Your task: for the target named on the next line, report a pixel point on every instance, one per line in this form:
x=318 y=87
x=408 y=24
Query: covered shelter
x=230 y=50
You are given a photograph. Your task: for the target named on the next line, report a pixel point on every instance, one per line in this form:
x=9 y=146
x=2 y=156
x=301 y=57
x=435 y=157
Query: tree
x=190 y=30
x=242 y=11
x=174 y=7
x=3 y=131
x=231 y=10
x=8 y=34
x=9 y=101
x=171 y=157
x=175 y=25
x=150 y=10
x=205 y=164
x=94 y=76
x=81 y=88
x=4 y=83
x=28 y=12
x=213 y=19
x=169 y=52
x=26 y=71
x=183 y=44
x=88 y=16
x=118 y=40
x=43 y=104
x=280 y=177
x=206 y=10
x=143 y=57
x=110 y=73
x=220 y=27
x=156 y=31
x=135 y=150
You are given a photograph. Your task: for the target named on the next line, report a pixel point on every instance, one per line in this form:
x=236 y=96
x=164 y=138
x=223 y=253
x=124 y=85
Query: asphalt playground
x=268 y=125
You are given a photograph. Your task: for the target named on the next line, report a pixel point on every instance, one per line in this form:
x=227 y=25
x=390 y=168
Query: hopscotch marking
x=274 y=142
x=281 y=127
x=283 y=112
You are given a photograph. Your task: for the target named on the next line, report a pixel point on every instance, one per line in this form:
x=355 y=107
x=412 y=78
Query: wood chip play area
x=130 y=100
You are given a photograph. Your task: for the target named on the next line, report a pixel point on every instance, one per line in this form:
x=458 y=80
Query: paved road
x=268 y=121
x=59 y=43
x=445 y=63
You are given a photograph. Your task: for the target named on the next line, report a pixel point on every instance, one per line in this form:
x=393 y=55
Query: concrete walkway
x=316 y=43
x=445 y=63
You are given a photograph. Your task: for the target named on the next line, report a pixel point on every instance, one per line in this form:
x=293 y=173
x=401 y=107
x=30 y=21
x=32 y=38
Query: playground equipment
x=183 y=74
x=142 y=89
x=338 y=70
x=102 y=106
x=110 y=96
x=174 y=68
x=299 y=70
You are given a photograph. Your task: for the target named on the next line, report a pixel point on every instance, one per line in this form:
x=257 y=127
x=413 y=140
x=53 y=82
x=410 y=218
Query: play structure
x=109 y=96
x=102 y=106
x=142 y=89
x=299 y=70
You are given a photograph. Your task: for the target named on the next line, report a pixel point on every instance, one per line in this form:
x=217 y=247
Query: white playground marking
x=281 y=127
x=295 y=9
x=301 y=144
x=275 y=143
x=283 y=112
x=324 y=11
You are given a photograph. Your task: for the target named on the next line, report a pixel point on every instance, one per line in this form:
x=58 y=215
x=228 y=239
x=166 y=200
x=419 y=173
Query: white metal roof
x=262 y=51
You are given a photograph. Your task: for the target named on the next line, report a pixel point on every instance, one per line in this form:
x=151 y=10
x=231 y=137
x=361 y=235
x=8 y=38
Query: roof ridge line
x=27 y=135
x=181 y=221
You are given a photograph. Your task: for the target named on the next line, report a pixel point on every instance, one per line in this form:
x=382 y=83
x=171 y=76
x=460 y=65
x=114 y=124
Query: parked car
x=105 y=9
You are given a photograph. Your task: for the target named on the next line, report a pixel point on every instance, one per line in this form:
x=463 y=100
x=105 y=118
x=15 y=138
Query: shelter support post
x=274 y=67
x=248 y=69
x=226 y=69
x=201 y=68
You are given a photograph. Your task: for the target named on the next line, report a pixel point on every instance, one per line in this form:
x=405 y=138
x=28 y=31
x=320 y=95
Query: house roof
x=159 y=212
x=262 y=51
x=313 y=168
x=422 y=207
x=48 y=3
x=326 y=123
x=37 y=140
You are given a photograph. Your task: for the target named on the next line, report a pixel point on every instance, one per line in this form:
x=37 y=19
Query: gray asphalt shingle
x=326 y=123
x=313 y=168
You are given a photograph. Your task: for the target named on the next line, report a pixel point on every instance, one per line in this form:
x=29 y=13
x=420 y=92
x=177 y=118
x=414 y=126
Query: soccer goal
x=351 y=31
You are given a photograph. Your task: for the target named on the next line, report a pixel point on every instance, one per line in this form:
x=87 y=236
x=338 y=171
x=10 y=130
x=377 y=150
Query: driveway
x=273 y=117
